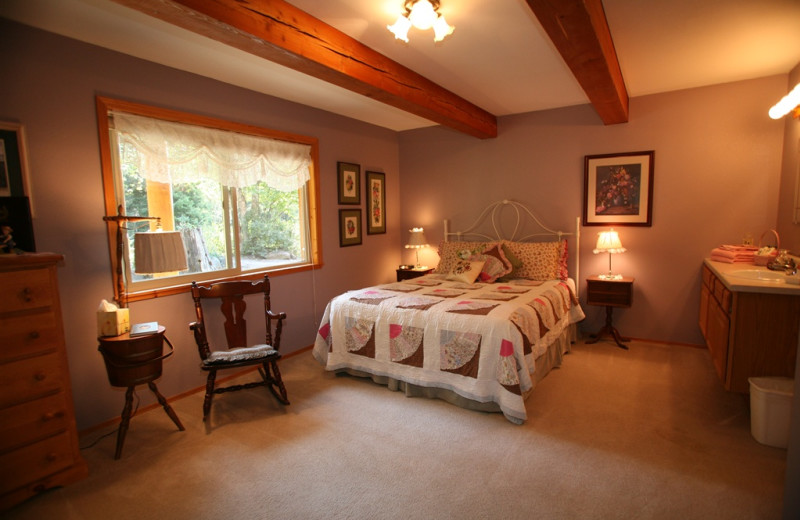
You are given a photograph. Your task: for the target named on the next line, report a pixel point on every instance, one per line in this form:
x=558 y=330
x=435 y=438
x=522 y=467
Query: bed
x=495 y=316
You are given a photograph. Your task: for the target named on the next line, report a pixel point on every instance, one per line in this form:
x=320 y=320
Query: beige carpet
x=645 y=433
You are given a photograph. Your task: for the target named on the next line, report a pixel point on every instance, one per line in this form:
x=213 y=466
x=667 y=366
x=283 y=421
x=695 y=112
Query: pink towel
x=733 y=254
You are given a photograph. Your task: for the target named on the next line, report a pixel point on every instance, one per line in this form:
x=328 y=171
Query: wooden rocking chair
x=237 y=353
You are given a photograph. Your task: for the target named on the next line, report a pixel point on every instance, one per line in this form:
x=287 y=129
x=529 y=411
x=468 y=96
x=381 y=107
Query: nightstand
x=414 y=272
x=609 y=293
x=135 y=360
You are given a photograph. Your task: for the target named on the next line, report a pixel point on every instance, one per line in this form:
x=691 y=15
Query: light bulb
x=422 y=15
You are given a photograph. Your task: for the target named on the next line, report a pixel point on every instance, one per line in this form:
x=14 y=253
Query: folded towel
x=738 y=248
x=734 y=255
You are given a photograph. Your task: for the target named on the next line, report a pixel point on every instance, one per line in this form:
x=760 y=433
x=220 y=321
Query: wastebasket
x=771 y=409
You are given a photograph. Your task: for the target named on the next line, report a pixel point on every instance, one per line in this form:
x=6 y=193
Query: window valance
x=172 y=152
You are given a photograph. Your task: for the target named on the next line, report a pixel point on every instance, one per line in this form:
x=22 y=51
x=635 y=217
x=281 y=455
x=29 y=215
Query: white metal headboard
x=493 y=212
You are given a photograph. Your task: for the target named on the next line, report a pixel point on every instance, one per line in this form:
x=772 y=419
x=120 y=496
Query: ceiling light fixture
x=789 y=103
x=422 y=14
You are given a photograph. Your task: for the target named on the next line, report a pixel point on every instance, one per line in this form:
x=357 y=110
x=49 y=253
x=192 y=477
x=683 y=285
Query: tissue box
x=113 y=323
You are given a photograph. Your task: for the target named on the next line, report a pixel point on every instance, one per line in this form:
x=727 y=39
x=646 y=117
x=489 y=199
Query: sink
x=759 y=275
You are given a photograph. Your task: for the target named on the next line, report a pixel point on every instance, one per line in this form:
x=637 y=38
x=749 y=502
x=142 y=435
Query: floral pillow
x=495 y=264
x=466 y=271
x=450 y=253
x=540 y=260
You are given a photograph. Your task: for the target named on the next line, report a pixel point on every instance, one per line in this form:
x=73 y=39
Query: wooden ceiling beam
x=277 y=31
x=579 y=30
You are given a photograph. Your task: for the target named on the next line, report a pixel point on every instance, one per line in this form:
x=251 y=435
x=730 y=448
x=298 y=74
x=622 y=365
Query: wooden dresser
x=38 y=438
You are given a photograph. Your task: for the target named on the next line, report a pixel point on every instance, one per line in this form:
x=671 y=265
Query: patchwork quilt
x=478 y=340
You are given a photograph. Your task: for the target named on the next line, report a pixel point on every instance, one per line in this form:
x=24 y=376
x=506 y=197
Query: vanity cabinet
x=749 y=332
x=38 y=437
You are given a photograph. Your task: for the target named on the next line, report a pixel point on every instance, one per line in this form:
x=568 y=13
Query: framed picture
x=13 y=163
x=618 y=189
x=376 y=203
x=349 y=183
x=349 y=227
x=16 y=228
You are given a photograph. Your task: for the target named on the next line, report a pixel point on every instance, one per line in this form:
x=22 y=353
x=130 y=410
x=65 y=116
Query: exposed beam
x=282 y=33
x=579 y=30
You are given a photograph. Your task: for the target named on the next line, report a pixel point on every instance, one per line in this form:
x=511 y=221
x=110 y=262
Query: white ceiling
x=498 y=58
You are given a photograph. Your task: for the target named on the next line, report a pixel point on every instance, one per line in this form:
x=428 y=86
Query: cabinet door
x=704 y=302
x=718 y=330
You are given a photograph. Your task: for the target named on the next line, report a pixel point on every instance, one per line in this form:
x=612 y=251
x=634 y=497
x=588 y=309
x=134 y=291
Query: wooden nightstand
x=414 y=272
x=609 y=293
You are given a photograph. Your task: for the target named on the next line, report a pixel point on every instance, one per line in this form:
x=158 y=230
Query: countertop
x=725 y=272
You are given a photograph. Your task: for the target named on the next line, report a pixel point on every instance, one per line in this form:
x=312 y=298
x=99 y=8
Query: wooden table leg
x=609 y=330
x=126 y=420
x=167 y=408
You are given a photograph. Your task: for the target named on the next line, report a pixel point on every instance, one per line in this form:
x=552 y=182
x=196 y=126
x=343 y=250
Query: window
x=244 y=199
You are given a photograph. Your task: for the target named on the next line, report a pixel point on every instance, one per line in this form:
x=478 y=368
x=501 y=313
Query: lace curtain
x=172 y=152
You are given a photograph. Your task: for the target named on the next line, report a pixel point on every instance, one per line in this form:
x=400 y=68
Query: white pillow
x=466 y=271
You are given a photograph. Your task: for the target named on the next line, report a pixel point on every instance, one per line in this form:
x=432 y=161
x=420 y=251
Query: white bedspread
x=477 y=340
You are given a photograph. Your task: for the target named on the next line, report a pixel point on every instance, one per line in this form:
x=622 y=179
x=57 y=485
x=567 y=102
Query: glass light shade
x=159 y=252
x=441 y=29
x=788 y=103
x=400 y=28
x=422 y=15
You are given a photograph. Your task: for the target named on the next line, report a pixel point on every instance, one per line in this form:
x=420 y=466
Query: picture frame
x=14 y=180
x=349 y=227
x=16 y=226
x=375 y=194
x=349 y=183
x=618 y=189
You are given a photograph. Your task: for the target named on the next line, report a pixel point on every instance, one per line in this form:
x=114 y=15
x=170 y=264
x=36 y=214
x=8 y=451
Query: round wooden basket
x=765 y=259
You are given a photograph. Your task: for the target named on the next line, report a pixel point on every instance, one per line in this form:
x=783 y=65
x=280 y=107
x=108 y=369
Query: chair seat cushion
x=240 y=354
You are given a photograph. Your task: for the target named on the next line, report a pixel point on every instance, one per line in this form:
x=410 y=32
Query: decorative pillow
x=466 y=271
x=450 y=253
x=540 y=260
x=240 y=354
x=515 y=262
x=495 y=263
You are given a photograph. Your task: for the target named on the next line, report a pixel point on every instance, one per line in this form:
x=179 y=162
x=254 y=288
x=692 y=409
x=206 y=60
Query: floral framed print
x=349 y=227
x=376 y=203
x=618 y=189
x=349 y=183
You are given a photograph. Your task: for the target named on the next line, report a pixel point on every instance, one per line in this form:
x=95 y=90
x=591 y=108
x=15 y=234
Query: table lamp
x=608 y=242
x=417 y=241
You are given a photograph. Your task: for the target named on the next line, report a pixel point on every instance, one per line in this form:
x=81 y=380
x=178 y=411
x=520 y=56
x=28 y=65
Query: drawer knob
x=49 y=416
x=34 y=334
x=51 y=457
x=27 y=294
x=40 y=376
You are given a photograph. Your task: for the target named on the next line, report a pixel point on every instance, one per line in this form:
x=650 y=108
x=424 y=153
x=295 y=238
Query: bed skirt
x=551 y=358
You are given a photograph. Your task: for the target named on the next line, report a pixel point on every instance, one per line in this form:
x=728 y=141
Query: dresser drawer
x=30 y=291
x=28 y=334
x=30 y=378
x=36 y=461
x=33 y=421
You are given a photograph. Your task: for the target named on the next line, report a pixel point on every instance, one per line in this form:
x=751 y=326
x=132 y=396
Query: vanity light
x=417 y=241
x=789 y=103
x=422 y=14
x=609 y=242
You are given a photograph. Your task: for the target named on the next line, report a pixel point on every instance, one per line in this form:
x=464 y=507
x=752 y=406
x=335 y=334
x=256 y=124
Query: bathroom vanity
x=750 y=319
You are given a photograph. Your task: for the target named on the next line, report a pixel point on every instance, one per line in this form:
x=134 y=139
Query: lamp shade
x=417 y=239
x=608 y=242
x=159 y=252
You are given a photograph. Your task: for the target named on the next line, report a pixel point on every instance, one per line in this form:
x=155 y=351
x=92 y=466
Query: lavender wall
x=51 y=90
x=717 y=174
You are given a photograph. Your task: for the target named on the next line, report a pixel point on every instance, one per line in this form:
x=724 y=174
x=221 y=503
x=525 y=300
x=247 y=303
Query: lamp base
x=610 y=276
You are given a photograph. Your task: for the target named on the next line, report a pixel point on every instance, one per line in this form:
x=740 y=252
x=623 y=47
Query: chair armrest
x=200 y=338
x=276 y=315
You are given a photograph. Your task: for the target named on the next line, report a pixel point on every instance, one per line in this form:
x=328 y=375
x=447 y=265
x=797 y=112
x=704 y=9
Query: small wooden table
x=132 y=361
x=414 y=272
x=609 y=293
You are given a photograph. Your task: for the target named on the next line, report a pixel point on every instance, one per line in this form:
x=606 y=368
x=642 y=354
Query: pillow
x=466 y=271
x=540 y=260
x=495 y=264
x=515 y=262
x=450 y=253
